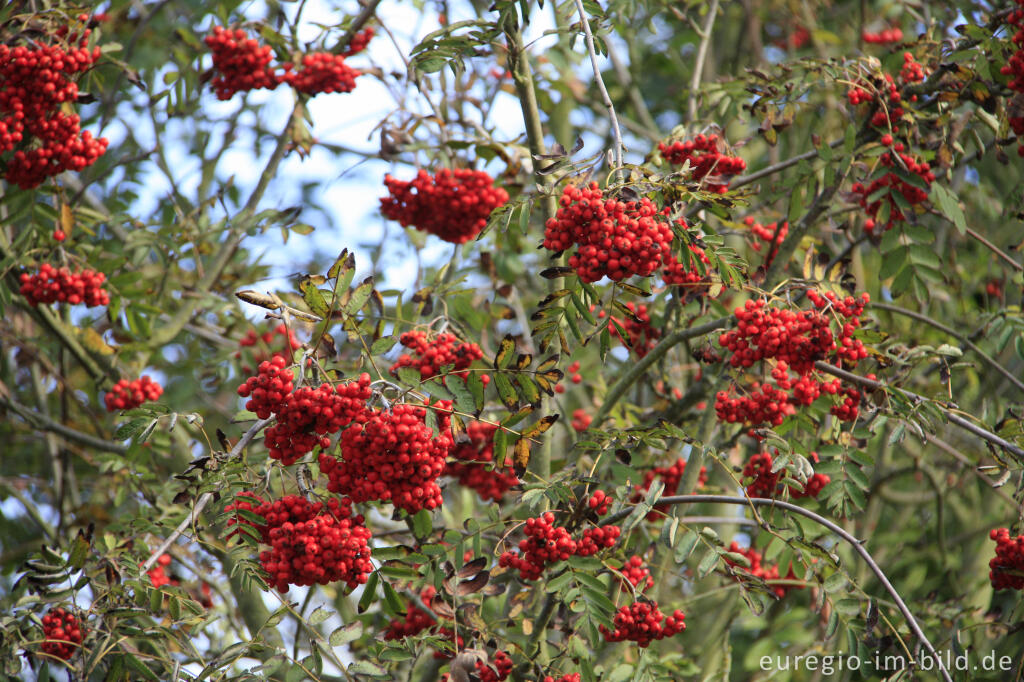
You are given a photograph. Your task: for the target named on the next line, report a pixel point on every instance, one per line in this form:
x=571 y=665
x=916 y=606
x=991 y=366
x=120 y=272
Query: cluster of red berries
x=636 y=573
x=36 y=89
x=322 y=72
x=269 y=389
x=473 y=459
x=430 y=355
x=310 y=542
x=241 y=64
x=641 y=336
x=573 y=371
x=251 y=338
x=157 y=575
x=598 y=502
x=61 y=285
x=765 y=482
x=581 y=420
x=643 y=622
x=570 y=677
x=546 y=543
x=62 y=634
x=416 y=619
x=499 y=669
x=772 y=234
x=1015 y=67
x=795 y=341
x=799 y=37
x=671 y=477
x=675 y=273
x=886 y=35
x=393 y=456
x=307 y=417
x=886 y=117
x=706 y=160
x=451 y=204
x=912 y=194
x=912 y=71
x=759 y=570
x=126 y=395
x=617 y=239
x=1007 y=567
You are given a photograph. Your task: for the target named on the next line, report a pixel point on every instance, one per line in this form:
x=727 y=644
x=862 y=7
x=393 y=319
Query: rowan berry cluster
x=393 y=456
x=126 y=395
x=310 y=542
x=240 y=63
x=765 y=482
x=1015 y=67
x=1007 y=567
x=794 y=341
x=912 y=71
x=62 y=634
x=451 y=204
x=641 y=337
x=772 y=234
x=251 y=338
x=912 y=194
x=157 y=575
x=473 y=459
x=307 y=417
x=643 y=622
x=36 y=88
x=759 y=570
x=598 y=502
x=883 y=37
x=61 y=285
x=321 y=72
x=671 y=477
x=581 y=420
x=429 y=356
x=617 y=239
x=675 y=273
x=570 y=677
x=416 y=619
x=269 y=389
x=499 y=669
x=799 y=37
x=573 y=372
x=707 y=160
x=546 y=543
x=636 y=573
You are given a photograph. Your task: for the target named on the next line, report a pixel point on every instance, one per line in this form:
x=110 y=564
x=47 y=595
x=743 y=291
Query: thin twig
x=616 y=131
x=41 y=421
x=821 y=520
x=636 y=371
x=949 y=413
x=956 y=335
x=204 y=499
x=702 y=54
x=995 y=249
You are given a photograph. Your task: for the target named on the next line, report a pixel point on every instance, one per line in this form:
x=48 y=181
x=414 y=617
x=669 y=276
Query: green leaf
x=686 y=545
x=369 y=592
x=359 y=297
x=319 y=615
x=949 y=206
x=835 y=582
x=383 y=345
x=707 y=564
x=506 y=392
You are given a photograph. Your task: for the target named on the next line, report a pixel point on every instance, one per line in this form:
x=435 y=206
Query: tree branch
x=956 y=335
x=915 y=398
x=45 y=423
x=205 y=498
x=655 y=354
x=616 y=131
x=702 y=54
x=821 y=520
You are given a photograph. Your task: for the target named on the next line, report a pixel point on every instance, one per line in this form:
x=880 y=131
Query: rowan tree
x=668 y=339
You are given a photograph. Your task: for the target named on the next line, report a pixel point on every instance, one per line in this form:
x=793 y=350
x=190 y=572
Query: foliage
x=798 y=469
